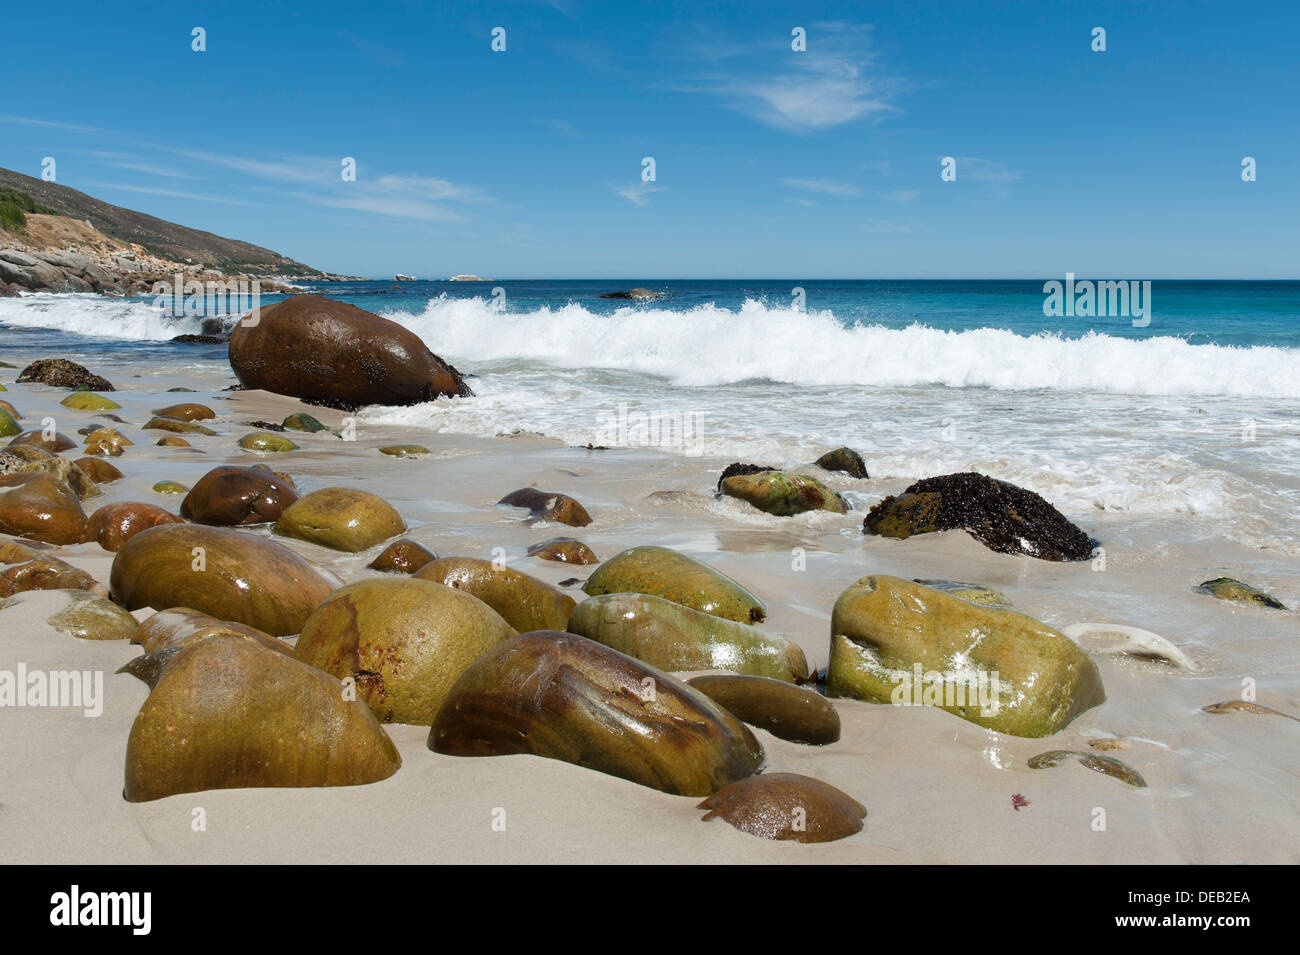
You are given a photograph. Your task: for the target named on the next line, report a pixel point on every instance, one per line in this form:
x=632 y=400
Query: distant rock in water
x=61 y=373
x=199 y=339
x=1000 y=515
x=635 y=294
x=337 y=355
x=468 y=278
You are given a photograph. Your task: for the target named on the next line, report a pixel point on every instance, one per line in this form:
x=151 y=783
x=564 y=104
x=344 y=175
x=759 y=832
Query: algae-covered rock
x=673 y=637
x=47 y=573
x=403 y=641
x=846 y=460
x=525 y=602
x=265 y=442
x=28 y=459
x=228 y=714
x=787 y=806
x=548 y=506
x=224 y=573
x=564 y=550
x=1226 y=588
x=302 y=422
x=561 y=696
x=790 y=712
x=170 y=487
x=341 y=518
x=783 y=494
x=666 y=573
x=402 y=557
x=89 y=401
x=895 y=641
x=1001 y=516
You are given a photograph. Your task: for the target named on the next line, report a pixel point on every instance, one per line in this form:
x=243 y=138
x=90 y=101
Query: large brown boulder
x=338 y=355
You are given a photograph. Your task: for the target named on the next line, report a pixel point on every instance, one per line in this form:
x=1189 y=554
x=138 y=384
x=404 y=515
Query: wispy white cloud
x=149 y=190
x=51 y=124
x=828 y=186
x=639 y=195
x=900 y=195
x=835 y=81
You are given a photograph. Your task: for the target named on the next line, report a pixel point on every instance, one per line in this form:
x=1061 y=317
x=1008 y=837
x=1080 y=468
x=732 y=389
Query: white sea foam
x=95 y=317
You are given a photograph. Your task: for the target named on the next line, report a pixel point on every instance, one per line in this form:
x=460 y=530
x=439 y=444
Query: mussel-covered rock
x=229 y=496
x=783 y=494
x=564 y=697
x=37 y=506
x=673 y=637
x=26 y=459
x=339 y=355
x=61 y=373
x=1001 y=516
x=224 y=573
x=565 y=550
x=846 y=460
x=525 y=602
x=548 y=506
x=402 y=557
x=676 y=577
x=1226 y=588
x=341 y=518
x=115 y=524
x=403 y=641
x=226 y=713
x=787 y=806
x=895 y=641
x=790 y=712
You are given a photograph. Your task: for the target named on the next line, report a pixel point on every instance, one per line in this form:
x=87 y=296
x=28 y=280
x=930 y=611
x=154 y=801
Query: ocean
x=1186 y=413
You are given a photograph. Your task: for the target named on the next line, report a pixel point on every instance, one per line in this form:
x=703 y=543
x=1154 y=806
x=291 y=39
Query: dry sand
x=1221 y=789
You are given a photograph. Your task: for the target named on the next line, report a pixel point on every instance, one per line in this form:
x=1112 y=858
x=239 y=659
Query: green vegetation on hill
x=13 y=208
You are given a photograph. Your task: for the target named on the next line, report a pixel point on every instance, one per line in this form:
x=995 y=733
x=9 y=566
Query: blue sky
x=769 y=162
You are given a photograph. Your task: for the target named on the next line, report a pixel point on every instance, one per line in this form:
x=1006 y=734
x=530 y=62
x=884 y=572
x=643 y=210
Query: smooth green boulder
x=525 y=602
x=665 y=573
x=9 y=426
x=1226 y=588
x=89 y=401
x=783 y=494
x=896 y=641
x=672 y=637
x=340 y=518
x=404 y=450
x=266 y=442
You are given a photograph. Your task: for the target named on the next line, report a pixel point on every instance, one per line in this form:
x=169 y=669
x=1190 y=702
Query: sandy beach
x=1220 y=788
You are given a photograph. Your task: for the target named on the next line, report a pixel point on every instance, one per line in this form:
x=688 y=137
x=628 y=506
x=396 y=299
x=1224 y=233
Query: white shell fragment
x=1133 y=641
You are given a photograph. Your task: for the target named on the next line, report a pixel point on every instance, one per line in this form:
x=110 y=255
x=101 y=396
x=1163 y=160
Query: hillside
x=161 y=238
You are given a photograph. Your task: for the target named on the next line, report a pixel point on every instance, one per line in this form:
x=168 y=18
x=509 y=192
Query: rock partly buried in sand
x=61 y=373
x=99 y=470
x=975 y=593
x=787 y=806
x=1098 y=764
x=224 y=573
x=525 y=602
x=565 y=550
x=114 y=524
x=54 y=443
x=846 y=460
x=1244 y=706
x=341 y=518
x=264 y=442
x=40 y=507
x=226 y=713
x=1001 y=516
x=634 y=294
x=1226 y=588
x=564 y=697
x=402 y=557
x=9 y=426
x=884 y=630
x=786 y=711
x=548 y=506
x=170 y=487
x=47 y=573
x=89 y=401
x=231 y=496
x=403 y=450
x=172 y=442
x=177 y=426
x=673 y=637
x=186 y=411
x=79 y=614
x=403 y=641
x=338 y=355
x=302 y=422
x=176 y=626
x=782 y=494
x=665 y=573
